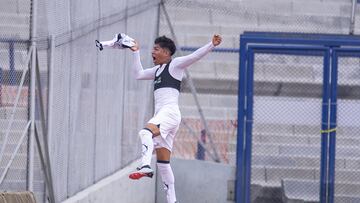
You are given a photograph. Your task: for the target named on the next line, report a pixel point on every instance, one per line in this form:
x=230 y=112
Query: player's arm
x=139 y=72
x=185 y=61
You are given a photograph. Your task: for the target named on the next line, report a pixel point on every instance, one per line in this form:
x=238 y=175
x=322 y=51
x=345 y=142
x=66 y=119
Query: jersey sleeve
x=139 y=72
x=179 y=64
x=185 y=61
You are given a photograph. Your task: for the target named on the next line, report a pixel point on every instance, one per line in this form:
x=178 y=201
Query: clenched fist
x=216 y=40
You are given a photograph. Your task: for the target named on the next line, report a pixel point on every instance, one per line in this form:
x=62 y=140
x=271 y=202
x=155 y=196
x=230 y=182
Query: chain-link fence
x=286 y=120
x=88 y=108
x=348 y=130
x=288 y=90
x=14 y=96
x=291 y=121
x=192 y=24
x=97 y=107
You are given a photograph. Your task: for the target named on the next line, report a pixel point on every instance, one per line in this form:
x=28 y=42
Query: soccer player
x=161 y=128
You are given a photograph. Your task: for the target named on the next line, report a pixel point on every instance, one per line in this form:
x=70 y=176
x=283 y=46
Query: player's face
x=160 y=55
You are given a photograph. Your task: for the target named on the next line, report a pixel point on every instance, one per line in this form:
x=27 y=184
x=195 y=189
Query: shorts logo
x=166 y=186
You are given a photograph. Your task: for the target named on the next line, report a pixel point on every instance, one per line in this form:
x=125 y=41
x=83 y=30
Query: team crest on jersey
x=157 y=81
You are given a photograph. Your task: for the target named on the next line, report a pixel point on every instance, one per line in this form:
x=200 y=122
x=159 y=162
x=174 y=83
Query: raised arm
x=139 y=72
x=185 y=61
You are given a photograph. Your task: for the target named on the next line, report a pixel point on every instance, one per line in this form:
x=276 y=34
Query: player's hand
x=216 y=40
x=135 y=47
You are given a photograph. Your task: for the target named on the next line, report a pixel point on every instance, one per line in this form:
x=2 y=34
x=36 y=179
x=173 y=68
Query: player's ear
x=167 y=52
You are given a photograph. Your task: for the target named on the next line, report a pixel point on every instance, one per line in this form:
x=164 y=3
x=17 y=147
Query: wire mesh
x=286 y=122
x=348 y=129
x=97 y=107
x=194 y=22
x=216 y=85
x=233 y=17
x=14 y=94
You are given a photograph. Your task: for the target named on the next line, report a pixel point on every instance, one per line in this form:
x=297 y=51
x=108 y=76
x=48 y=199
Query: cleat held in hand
x=125 y=40
x=120 y=41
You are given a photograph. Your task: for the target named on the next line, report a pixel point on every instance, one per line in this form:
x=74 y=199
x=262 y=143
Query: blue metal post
x=333 y=109
x=328 y=120
x=324 y=128
x=249 y=121
x=330 y=40
x=239 y=184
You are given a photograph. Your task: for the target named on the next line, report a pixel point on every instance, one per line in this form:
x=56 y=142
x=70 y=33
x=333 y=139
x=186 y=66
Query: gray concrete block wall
x=20 y=113
x=296 y=190
x=18 y=7
x=22 y=18
x=15 y=31
x=15 y=19
x=18 y=59
x=195 y=181
x=273 y=175
x=299 y=161
x=209 y=100
x=300 y=191
x=341 y=141
x=280 y=14
x=16 y=177
x=16 y=125
x=193 y=29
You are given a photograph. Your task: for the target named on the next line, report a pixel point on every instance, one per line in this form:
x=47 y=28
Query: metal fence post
x=240 y=159
x=324 y=130
x=33 y=28
x=352 y=17
x=332 y=138
x=248 y=123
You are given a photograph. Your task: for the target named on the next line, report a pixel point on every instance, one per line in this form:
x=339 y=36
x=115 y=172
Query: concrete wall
x=118 y=188
x=195 y=181
x=198 y=181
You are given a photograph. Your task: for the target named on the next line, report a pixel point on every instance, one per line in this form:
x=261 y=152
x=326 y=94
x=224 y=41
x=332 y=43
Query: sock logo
x=166 y=186
x=144 y=149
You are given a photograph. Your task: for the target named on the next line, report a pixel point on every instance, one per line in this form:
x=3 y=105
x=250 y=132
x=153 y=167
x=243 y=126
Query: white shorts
x=169 y=118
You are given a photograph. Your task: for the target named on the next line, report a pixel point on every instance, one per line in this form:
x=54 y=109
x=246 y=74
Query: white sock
x=147 y=146
x=168 y=179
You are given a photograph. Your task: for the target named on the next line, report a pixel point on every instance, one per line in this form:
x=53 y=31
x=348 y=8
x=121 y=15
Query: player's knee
x=145 y=132
x=155 y=129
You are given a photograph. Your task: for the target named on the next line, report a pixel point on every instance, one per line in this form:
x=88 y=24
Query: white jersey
x=167 y=95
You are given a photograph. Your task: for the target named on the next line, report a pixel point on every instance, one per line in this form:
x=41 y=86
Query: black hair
x=167 y=43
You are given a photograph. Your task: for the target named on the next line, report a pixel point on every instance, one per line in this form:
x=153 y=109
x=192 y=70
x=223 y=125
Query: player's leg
x=163 y=145
x=166 y=173
x=146 y=135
